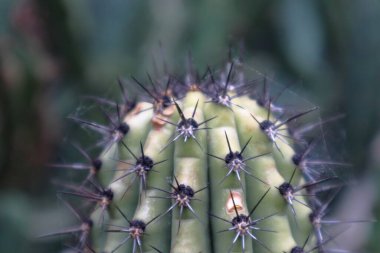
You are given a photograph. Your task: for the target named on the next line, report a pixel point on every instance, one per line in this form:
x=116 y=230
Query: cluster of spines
x=196 y=127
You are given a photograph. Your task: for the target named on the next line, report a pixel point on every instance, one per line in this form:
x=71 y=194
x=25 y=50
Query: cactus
x=207 y=164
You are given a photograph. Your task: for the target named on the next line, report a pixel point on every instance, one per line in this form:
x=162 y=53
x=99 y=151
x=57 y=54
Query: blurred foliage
x=54 y=52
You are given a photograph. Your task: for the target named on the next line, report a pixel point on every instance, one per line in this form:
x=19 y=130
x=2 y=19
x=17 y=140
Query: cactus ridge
x=219 y=165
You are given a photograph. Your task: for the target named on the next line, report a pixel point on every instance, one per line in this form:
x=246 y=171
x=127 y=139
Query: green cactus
x=203 y=165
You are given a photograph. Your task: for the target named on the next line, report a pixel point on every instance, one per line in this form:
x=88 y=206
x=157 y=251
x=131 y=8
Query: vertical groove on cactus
x=202 y=166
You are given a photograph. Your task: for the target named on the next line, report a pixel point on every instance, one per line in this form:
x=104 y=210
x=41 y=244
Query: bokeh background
x=54 y=52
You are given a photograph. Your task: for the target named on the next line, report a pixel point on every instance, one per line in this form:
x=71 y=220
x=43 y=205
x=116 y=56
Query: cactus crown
x=219 y=170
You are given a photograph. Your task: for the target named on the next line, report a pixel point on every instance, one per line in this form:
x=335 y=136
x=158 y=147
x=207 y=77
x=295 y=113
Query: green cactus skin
x=193 y=199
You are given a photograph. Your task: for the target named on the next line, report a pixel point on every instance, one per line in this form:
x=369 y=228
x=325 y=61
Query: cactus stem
x=204 y=137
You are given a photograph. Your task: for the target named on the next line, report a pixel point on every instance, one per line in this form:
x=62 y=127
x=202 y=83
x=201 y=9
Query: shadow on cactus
x=222 y=165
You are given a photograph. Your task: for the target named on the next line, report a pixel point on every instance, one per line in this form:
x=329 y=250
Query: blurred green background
x=54 y=52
